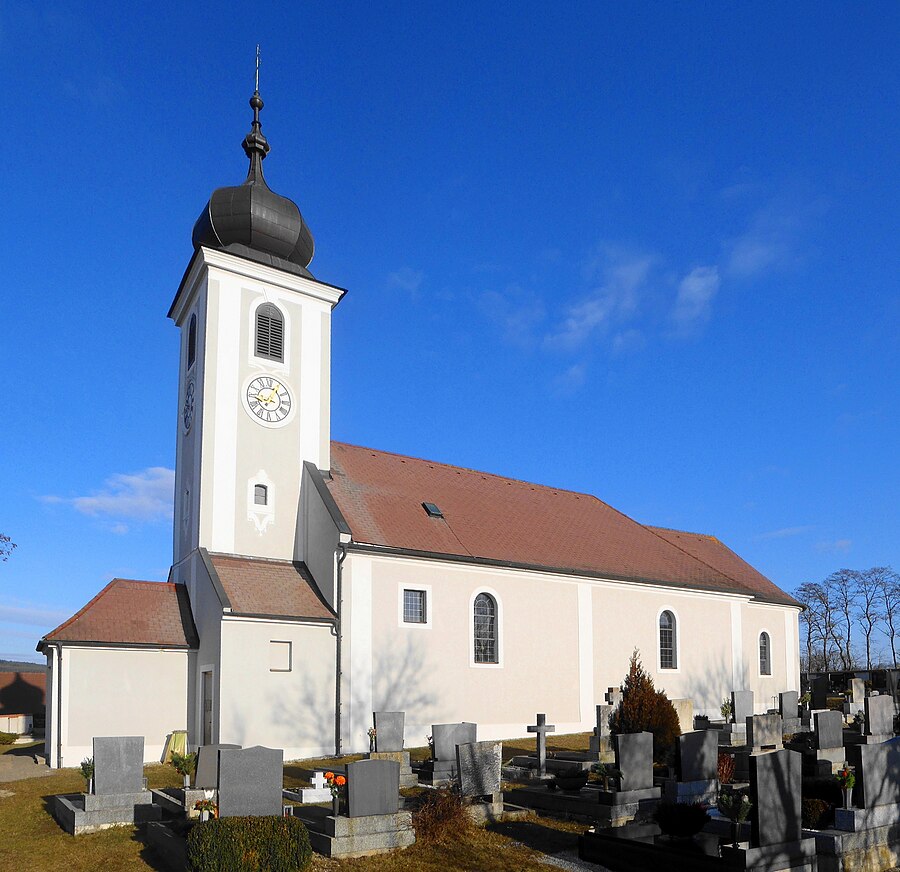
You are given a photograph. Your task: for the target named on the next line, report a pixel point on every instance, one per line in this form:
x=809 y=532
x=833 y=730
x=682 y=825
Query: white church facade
x=314 y=582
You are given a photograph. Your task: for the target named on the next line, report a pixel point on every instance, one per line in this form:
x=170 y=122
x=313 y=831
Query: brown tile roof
x=133 y=612
x=256 y=586
x=488 y=517
x=717 y=554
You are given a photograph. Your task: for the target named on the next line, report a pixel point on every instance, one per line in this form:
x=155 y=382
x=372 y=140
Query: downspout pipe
x=59 y=679
x=338 y=631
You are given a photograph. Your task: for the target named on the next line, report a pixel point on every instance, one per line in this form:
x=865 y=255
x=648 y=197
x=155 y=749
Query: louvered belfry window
x=269 y=332
x=485 y=629
x=192 y=341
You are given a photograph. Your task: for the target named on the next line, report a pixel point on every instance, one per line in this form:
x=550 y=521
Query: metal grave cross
x=542 y=728
x=318 y=781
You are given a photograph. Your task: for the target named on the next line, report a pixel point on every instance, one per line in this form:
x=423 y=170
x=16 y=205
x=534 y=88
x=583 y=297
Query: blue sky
x=647 y=251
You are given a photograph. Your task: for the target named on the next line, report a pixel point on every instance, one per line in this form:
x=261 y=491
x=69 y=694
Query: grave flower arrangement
x=859 y=720
x=805 y=699
x=606 y=771
x=736 y=807
x=371 y=731
x=336 y=784
x=430 y=740
x=184 y=765
x=846 y=778
x=207 y=809
x=725 y=708
x=87 y=772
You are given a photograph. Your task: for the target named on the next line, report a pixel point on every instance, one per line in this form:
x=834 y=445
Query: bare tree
x=868 y=585
x=842 y=587
x=818 y=618
x=6 y=547
x=889 y=592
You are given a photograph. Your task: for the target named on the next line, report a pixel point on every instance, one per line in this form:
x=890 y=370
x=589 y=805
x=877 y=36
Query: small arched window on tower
x=260 y=495
x=765 y=654
x=667 y=651
x=485 y=634
x=192 y=341
x=269 y=332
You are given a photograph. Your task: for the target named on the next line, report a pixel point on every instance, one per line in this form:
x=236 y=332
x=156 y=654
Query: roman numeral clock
x=268 y=400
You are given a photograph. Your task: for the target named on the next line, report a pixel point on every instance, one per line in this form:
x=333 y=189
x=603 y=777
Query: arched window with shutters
x=765 y=654
x=668 y=640
x=485 y=626
x=269 y=332
x=192 y=341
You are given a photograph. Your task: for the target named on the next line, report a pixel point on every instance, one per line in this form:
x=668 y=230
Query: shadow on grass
x=533 y=834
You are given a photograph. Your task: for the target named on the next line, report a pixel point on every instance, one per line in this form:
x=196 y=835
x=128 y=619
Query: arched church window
x=485 y=635
x=269 y=332
x=192 y=341
x=667 y=651
x=765 y=654
x=260 y=495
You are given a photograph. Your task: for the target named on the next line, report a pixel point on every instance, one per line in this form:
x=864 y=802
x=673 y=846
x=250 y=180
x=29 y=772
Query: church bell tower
x=254 y=371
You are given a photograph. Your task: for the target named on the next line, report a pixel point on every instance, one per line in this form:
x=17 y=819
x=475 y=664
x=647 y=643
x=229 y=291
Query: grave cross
x=318 y=781
x=542 y=728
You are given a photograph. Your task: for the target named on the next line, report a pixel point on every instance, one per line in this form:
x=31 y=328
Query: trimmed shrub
x=815 y=813
x=249 y=844
x=8 y=738
x=439 y=816
x=645 y=709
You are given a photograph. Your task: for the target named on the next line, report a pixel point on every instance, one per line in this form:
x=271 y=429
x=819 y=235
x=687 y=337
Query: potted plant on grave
x=859 y=721
x=571 y=780
x=725 y=709
x=846 y=778
x=608 y=773
x=184 y=765
x=336 y=783
x=87 y=772
x=371 y=732
x=735 y=805
x=207 y=809
x=681 y=820
x=804 y=700
x=430 y=741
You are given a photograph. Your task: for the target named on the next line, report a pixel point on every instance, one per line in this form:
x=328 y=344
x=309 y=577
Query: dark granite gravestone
x=877 y=773
x=634 y=759
x=250 y=781
x=118 y=765
x=820 y=687
x=829 y=730
x=697 y=756
x=373 y=787
x=764 y=731
x=206 y=775
x=388 y=730
x=741 y=706
x=788 y=703
x=447 y=736
x=879 y=716
x=775 y=792
x=478 y=765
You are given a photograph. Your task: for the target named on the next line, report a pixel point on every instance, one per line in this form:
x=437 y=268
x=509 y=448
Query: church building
x=314 y=582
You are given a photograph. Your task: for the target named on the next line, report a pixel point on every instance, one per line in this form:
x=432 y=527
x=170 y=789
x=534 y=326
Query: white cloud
x=693 y=304
x=518 y=312
x=838 y=546
x=406 y=279
x=572 y=379
x=616 y=299
x=32 y=616
x=144 y=496
x=767 y=243
x=786 y=532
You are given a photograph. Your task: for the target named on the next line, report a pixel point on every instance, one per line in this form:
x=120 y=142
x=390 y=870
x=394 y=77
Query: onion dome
x=251 y=220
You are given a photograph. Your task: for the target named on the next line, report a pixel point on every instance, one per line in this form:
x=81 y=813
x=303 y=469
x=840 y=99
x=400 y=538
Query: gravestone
x=877 y=774
x=684 y=708
x=634 y=759
x=857 y=690
x=479 y=764
x=764 y=732
x=879 y=716
x=542 y=728
x=447 y=736
x=206 y=775
x=828 y=728
x=697 y=756
x=741 y=706
x=118 y=765
x=820 y=688
x=250 y=781
x=373 y=787
x=788 y=704
x=613 y=696
x=389 y=730
x=775 y=791
x=600 y=738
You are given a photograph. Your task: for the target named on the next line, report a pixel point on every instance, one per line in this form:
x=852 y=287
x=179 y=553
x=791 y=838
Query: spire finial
x=256 y=146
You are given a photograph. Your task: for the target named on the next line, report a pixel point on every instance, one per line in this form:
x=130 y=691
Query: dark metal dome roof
x=251 y=220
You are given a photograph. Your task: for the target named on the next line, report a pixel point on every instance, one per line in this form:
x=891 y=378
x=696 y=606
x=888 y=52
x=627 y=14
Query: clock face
x=268 y=400
x=187 y=410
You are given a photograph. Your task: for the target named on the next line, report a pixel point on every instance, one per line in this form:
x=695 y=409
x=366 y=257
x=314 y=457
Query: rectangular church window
x=279 y=656
x=414 y=607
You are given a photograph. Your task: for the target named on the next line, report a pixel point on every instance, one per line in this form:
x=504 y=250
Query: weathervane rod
x=257 y=68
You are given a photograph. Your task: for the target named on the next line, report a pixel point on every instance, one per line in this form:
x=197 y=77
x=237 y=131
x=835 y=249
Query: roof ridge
x=655 y=527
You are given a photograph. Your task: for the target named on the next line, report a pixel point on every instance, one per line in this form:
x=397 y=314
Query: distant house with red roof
x=314 y=582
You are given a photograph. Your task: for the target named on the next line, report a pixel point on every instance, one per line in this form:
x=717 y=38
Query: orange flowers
x=340 y=781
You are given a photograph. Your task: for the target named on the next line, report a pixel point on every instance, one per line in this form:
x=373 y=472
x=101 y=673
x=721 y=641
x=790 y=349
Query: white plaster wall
x=292 y=710
x=771 y=619
x=122 y=692
x=428 y=672
x=317 y=539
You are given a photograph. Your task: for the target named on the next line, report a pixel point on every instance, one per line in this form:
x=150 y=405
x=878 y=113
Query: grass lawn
x=30 y=839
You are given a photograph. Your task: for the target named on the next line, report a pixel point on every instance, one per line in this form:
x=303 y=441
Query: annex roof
x=128 y=612
x=502 y=520
x=274 y=588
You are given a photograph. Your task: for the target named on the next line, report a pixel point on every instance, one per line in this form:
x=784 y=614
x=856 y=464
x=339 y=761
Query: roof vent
x=432 y=510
